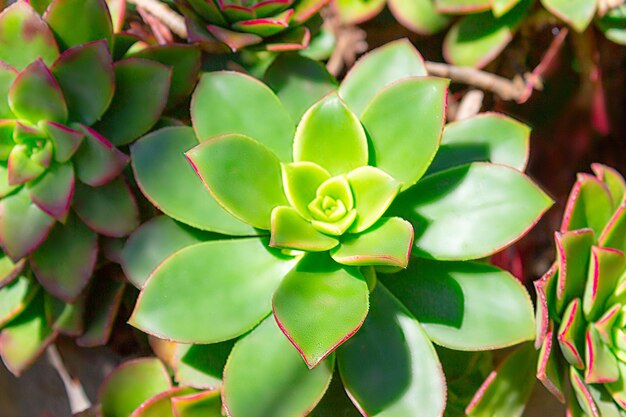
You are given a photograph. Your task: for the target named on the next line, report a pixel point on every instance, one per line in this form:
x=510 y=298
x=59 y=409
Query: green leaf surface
x=184 y=60
x=571 y=334
x=387 y=243
x=477 y=39
x=203 y=404
x=300 y=182
x=501 y=7
x=450 y=209
x=389 y=367
x=110 y=210
x=35 y=95
x=576 y=13
x=15 y=297
x=419 y=16
x=358 y=11
x=24 y=37
x=64 y=263
x=141 y=91
x=331 y=136
x=53 y=191
x=600 y=359
x=573 y=250
x=85 y=74
x=508 y=388
x=76 y=22
x=24 y=339
x=23 y=226
x=290 y=230
x=230 y=102
x=465 y=305
x=588 y=206
x=298 y=82
x=319 y=305
x=9 y=270
x=67 y=318
x=605 y=268
x=252 y=197
x=230 y=281
x=263 y=367
x=65 y=141
x=152 y=243
x=373 y=191
x=97 y=161
x=104 y=300
x=487 y=137
x=7 y=76
x=169 y=181
x=404 y=123
x=613 y=180
x=613 y=24
x=121 y=393
x=161 y=404
x=462 y=6
x=335 y=402
x=201 y=366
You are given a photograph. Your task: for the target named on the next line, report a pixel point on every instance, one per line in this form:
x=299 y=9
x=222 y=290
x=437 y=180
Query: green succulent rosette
x=231 y=25
x=580 y=300
x=340 y=244
x=67 y=107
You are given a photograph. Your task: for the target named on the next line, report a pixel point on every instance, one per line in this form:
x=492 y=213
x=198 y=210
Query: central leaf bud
x=332 y=209
x=28 y=154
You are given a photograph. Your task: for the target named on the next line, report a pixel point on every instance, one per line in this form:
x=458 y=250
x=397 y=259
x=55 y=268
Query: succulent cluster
x=329 y=243
x=580 y=300
x=274 y=25
x=66 y=108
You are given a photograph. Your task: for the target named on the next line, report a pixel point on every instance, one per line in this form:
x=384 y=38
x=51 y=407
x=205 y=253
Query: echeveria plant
x=66 y=107
x=580 y=300
x=347 y=238
x=275 y=25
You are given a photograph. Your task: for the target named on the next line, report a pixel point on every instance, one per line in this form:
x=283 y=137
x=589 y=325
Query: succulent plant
x=580 y=300
x=356 y=227
x=68 y=108
x=274 y=25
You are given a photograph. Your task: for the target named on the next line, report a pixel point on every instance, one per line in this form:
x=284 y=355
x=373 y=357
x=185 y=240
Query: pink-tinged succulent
x=348 y=234
x=580 y=301
x=65 y=109
x=230 y=25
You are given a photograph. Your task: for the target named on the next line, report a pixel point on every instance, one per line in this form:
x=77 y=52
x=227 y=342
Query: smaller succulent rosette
x=581 y=321
x=66 y=110
x=231 y=25
x=290 y=251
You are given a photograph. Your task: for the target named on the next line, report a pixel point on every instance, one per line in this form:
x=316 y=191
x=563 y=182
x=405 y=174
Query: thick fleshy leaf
x=23 y=226
x=26 y=337
x=449 y=209
x=168 y=180
x=22 y=166
x=612 y=25
x=9 y=270
x=265 y=27
x=54 y=190
x=65 y=141
x=233 y=39
x=234 y=294
x=357 y=11
x=419 y=16
x=161 y=404
x=572 y=333
x=104 y=300
x=331 y=136
x=85 y=74
x=372 y=72
x=252 y=197
x=576 y=13
x=64 y=263
x=185 y=63
x=263 y=367
x=487 y=137
x=319 y=305
x=230 y=102
x=605 y=269
x=507 y=389
x=298 y=82
x=614 y=234
x=614 y=182
x=589 y=205
x=203 y=404
x=15 y=297
x=67 y=318
x=550 y=366
x=477 y=39
x=95 y=205
x=618 y=388
x=387 y=243
x=335 y=402
x=454 y=300
x=97 y=161
x=24 y=37
x=462 y=6
x=141 y=91
x=201 y=366
x=306 y=9
x=585 y=400
x=545 y=288
x=290 y=230
x=300 y=182
x=7 y=76
x=120 y=393
x=600 y=360
x=573 y=251
x=410 y=382
x=152 y=243
x=35 y=95
x=75 y=22
x=500 y=7
x=404 y=123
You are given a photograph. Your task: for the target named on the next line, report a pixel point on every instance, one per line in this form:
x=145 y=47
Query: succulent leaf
x=373 y=192
x=571 y=334
x=573 y=254
x=97 y=161
x=53 y=192
x=206 y=403
x=15 y=297
x=202 y=366
x=76 y=22
x=104 y=301
x=300 y=182
x=65 y=141
x=605 y=268
x=7 y=77
x=419 y=16
x=576 y=13
x=462 y=6
x=290 y=230
x=589 y=205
